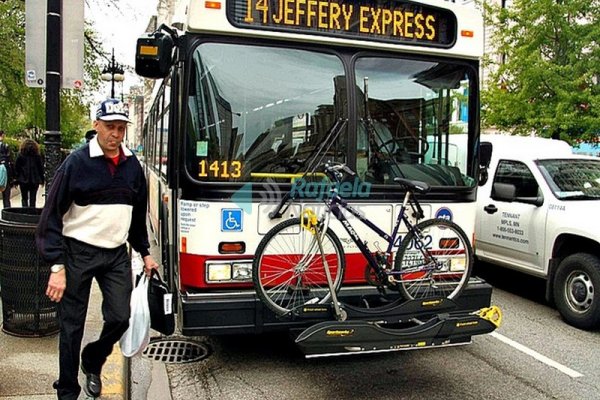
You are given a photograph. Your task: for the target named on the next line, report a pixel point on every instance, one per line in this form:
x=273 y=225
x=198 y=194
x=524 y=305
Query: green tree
x=12 y=29
x=545 y=68
x=22 y=109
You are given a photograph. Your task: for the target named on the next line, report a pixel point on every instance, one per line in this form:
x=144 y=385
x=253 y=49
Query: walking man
x=97 y=203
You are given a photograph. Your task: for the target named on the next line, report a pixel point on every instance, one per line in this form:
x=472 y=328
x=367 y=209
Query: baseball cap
x=112 y=110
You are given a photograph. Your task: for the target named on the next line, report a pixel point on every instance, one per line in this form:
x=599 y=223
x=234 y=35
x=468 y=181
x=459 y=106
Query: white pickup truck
x=538 y=213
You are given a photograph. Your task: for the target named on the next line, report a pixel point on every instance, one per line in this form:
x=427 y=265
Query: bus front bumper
x=241 y=312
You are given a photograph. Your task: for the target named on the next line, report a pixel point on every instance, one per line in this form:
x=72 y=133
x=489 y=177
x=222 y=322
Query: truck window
x=518 y=174
x=572 y=179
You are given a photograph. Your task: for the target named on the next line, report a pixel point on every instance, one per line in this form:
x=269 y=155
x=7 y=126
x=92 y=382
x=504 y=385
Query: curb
x=115 y=376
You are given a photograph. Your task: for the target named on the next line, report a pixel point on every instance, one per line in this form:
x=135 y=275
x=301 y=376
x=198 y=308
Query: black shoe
x=93 y=384
x=65 y=394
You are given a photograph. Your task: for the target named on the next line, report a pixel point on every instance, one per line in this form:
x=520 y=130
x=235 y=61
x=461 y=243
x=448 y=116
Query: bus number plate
x=220 y=169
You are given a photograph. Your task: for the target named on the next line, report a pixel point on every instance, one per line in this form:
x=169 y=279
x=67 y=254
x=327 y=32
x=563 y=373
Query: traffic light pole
x=53 y=78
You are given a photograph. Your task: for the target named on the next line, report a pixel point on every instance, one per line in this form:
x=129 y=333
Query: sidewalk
x=29 y=366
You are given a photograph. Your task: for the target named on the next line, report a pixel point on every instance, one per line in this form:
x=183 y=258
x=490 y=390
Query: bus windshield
x=260 y=113
x=413 y=108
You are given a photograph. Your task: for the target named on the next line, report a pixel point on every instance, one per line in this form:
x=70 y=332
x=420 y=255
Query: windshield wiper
x=316 y=159
x=579 y=197
x=373 y=133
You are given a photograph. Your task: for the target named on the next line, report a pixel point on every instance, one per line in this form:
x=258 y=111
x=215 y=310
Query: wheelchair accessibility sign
x=232 y=220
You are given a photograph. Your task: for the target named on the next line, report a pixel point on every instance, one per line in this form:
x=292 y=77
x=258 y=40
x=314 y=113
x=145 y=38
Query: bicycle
x=301 y=261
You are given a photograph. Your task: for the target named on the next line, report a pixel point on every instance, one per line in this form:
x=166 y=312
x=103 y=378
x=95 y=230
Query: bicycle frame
x=335 y=206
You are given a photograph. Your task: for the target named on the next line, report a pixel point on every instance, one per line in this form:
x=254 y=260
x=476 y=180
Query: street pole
x=53 y=78
x=112 y=72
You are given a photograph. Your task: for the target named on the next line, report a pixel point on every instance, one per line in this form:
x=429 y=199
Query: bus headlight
x=457 y=264
x=218 y=272
x=242 y=271
x=229 y=271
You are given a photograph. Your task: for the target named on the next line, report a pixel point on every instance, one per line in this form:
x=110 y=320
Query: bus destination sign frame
x=400 y=22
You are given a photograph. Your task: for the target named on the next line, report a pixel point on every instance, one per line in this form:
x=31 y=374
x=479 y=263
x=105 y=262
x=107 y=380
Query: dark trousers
x=6 y=196
x=112 y=270
x=28 y=194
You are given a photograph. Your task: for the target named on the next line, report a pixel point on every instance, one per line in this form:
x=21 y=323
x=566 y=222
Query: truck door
x=512 y=233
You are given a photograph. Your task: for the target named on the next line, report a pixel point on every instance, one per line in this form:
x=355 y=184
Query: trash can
x=26 y=310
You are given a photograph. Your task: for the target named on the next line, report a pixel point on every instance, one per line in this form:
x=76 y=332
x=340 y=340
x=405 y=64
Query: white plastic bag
x=137 y=336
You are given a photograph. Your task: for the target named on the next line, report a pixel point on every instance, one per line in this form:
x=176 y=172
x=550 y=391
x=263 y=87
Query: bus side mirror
x=485 y=156
x=154 y=55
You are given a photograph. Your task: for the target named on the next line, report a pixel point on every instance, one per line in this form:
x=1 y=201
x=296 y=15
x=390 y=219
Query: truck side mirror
x=485 y=156
x=536 y=201
x=504 y=192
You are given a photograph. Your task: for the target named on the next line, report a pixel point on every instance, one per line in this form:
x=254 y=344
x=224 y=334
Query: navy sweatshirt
x=94 y=203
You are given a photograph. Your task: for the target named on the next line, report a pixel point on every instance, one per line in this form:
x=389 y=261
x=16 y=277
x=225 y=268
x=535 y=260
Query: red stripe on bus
x=192 y=269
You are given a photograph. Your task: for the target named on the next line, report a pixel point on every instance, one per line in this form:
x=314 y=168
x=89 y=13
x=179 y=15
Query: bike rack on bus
x=358 y=337
x=392 y=327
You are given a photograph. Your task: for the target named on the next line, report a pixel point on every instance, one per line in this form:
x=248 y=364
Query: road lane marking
x=565 y=370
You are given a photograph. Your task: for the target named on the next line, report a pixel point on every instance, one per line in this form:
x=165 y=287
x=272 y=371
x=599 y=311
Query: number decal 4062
x=427 y=242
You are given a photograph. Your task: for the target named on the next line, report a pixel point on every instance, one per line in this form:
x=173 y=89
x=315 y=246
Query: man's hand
x=149 y=265
x=57 y=285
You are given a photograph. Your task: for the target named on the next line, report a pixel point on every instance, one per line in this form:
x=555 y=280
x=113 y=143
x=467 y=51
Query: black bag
x=160 y=301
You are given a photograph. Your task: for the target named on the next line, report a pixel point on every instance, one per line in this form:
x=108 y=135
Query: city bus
x=252 y=95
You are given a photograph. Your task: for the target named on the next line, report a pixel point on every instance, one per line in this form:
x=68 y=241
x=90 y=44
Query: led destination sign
x=397 y=21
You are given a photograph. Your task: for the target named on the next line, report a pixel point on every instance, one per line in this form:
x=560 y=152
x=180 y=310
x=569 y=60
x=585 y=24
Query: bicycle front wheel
x=289 y=269
x=435 y=259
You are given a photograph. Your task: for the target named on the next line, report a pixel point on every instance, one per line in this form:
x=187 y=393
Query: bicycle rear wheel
x=434 y=260
x=288 y=270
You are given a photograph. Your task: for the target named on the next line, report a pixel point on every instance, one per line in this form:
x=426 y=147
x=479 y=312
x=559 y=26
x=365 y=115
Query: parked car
x=538 y=214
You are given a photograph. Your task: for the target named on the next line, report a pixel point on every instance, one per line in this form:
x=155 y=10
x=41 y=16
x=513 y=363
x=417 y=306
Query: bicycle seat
x=413 y=186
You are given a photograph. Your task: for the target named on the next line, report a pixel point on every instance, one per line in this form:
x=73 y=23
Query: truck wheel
x=577 y=290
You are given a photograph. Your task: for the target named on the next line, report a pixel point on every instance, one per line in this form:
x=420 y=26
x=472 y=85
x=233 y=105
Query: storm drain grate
x=176 y=351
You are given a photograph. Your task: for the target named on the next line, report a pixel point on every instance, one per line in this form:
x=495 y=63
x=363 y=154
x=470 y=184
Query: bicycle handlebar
x=335 y=170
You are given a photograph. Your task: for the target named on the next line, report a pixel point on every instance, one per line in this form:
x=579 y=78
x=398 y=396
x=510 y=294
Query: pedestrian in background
x=6 y=159
x=29 y=171
x=89 y=135
x=97 y=202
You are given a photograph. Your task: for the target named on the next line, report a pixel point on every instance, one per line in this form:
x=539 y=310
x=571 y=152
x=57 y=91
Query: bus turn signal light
x=183 y=244
x=449 y=243
x=232 y=247
x=215 y=5
x=148 y=50
x=467 y=33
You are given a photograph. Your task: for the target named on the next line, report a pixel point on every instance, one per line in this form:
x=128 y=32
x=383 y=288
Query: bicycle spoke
x=289 y=270
x=433 y=261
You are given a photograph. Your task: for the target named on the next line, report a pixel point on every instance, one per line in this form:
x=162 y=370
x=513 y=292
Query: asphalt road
x=534 y=355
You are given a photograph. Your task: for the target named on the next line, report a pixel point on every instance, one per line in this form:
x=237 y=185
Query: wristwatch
x=57 y=268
